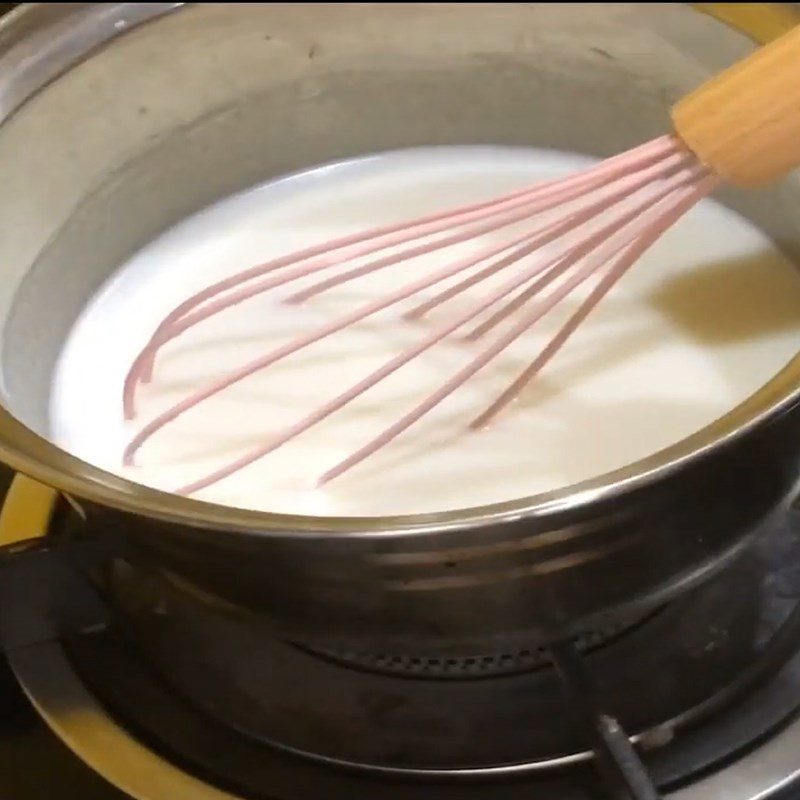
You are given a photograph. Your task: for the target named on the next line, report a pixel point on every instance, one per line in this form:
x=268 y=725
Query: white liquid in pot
x=701 y=322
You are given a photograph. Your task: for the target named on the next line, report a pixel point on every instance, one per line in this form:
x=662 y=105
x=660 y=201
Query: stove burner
x=662 y=678
x=161 y=746
x=456 y=667
x=709 y=677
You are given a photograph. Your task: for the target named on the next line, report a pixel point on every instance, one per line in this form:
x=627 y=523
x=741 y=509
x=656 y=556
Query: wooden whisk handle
x=745 y=122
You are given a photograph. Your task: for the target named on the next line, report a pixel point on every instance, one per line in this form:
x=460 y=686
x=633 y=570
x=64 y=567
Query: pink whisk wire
x=668 y=176
x=171 y=326
x=655 y=229
x=539 y=237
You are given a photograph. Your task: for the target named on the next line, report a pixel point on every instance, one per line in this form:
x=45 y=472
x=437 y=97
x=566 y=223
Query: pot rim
x=30 y=57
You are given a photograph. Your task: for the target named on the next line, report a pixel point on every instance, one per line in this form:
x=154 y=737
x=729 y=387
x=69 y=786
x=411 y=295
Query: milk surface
x=706 y=317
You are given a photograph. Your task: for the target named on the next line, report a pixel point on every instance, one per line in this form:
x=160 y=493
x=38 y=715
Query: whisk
x=742 y=126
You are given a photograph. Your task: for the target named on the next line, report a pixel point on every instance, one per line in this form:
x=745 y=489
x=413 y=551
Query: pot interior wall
x=211 y=99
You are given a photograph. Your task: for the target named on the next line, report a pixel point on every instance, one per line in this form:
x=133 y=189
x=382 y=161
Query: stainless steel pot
x=120 y=119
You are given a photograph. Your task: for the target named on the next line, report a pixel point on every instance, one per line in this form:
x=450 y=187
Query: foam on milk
x=702 y=321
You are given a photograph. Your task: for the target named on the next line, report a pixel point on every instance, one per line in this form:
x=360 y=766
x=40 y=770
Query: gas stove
x=707 y=686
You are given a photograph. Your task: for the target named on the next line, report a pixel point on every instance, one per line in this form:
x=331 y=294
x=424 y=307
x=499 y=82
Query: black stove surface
x=34 y=764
